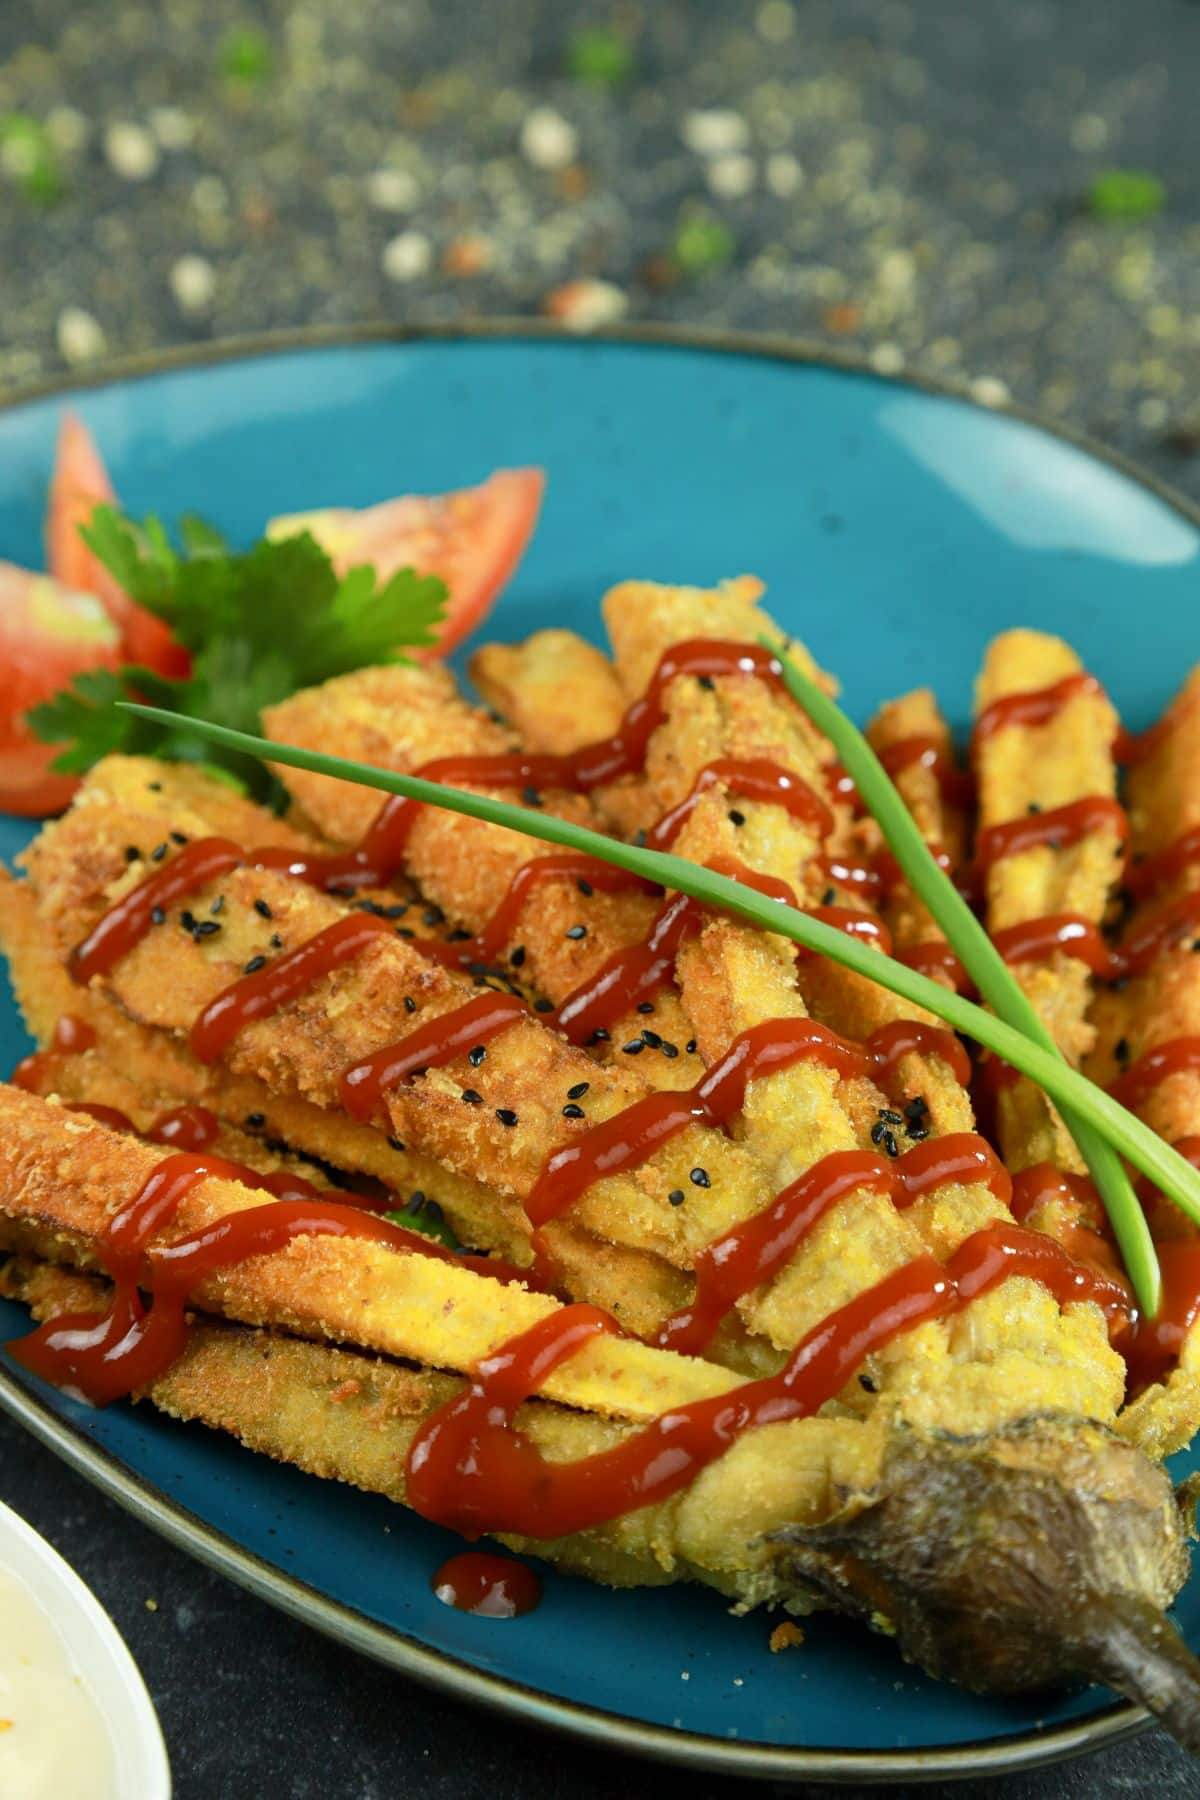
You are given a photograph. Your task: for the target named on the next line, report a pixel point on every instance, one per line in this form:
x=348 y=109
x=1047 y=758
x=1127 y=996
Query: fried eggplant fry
x=917 y=718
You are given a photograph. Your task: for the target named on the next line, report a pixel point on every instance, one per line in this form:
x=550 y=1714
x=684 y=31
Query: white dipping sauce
x=53 y=1741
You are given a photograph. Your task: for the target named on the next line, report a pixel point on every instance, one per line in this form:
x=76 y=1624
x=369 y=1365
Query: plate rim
x=187 y=1530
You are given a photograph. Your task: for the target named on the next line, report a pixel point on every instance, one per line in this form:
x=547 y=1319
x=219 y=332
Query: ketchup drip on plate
x=489 y=1587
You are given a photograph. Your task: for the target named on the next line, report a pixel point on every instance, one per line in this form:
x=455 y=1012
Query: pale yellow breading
x=1021 y=768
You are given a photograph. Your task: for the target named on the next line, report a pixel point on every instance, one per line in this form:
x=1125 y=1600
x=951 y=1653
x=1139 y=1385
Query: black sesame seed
x=398 y=911
x=262 y=909
x=369 y=906
x=459 y=936
x=828 y=897
x=916 y=1106
x=1121 y=1050
x=576 y=932
x=158 y=852
x=918 y=1132
x=634 y=1047
x=253 y=966
x=404 y=932
x=187 y=920
x=639 y=838
x=218 y=904
x=599 y=1036
x=276 y=941
x=132 y=853
x=506 y=1115
x=735 y=817
x=543 y=1006
x=178 y=837
x=690 y=1046
x=154 y=787
x=157 y=915
x=531 y=797
x=410 y=1004
x=571 y=1111
x=471 y=1097
x=433 y=915
x=645 y=1006
x=669 y=1050
x=676 y=1196
x=416 y=1201
x=652 y=1038
x=890 y=1144
x=517 y=959
x=255 y=1121
x=699 y=1178
x=205 y=928
x=585 y=887
x=578 y=1091
x=1033 y=807
x=893 y=1118
x=1196 y=943
x=867 y=1385
x=396 y=1143
x=476 y=1056
x=877 y=1131
x=706 y=682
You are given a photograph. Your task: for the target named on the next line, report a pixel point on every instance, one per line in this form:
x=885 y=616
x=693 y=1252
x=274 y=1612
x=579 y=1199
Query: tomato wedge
x=48 y=635
x=80 y=482
x=473 y=539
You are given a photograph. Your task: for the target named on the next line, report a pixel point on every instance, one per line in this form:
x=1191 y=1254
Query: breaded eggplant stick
x=401 y=717
x=1058 y=1546
x=1132 y=1019
x=558 y=692
x=78 y=868
x=739 y=717
x=1023 y=769
x=940 y=818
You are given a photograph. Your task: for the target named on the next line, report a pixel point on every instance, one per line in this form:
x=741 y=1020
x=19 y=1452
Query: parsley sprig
x=258 y=624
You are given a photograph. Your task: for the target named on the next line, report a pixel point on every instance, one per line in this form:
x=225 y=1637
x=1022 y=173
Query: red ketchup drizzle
x=125 y=925
x=1041 y=1183
x=106 y=1355
x=1036 y=706
x=187 y=1128
x=903 y=1037
x=70 y=1037
x=1080 y=938
x=628 y=1139
x=260 y=995
x=868 y=879
x=429 y=1046
x=854 y=924
x=1157 y=1342
x=754 y=1251
x=490 y=1587
x=1057 y=827
x=586 y=871
x=1155 y=871
x=469 y=1468
x=1173 y=1058
x=757 y=779
x=937 y=959
x=1132 y=747
x=929 y=753
x=104 y=1115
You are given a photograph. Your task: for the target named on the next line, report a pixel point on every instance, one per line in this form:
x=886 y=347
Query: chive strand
x=1152 y=1155
x=982 y=961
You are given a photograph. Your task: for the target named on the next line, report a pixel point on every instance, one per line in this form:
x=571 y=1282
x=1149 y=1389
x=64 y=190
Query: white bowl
x=97 y=1654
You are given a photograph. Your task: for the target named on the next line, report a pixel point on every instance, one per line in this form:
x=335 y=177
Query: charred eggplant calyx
x=1046 y=1549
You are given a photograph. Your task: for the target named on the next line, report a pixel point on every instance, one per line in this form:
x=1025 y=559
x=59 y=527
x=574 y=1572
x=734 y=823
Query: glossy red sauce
x=755 y=1250
x=867 y=879
x=757 y=779
x=1055 y=828
x=1153 y=872
x=1174 y=1058
x=490 y=1587
x=937 y=960
x=904 y=1037
x=586 y=872
x=855 y=924
x=471 y=1469
x=632 y=1136
x=430 y=1045
x=1036 y=706
x=929 y=753
x=1136 y=747
x=70 y=1037
x=1157 y=1342
x=260 y=995
x=103 y=1115
x=125 y=925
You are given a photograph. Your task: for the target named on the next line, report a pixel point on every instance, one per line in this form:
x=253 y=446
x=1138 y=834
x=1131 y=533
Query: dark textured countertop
x=950 y=190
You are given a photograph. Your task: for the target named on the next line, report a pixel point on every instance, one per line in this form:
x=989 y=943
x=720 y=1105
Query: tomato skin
x=48 y=634
x=79 y=484
x=473 y=538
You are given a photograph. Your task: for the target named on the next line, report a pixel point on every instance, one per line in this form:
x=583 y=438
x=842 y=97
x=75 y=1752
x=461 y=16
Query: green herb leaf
x=1126 y=194
x=427 y=1217
x=599 y=54
x=259 y=624
x=702 y=243
x=1070 y=1091
x=244 y=56
x=982 y=961
x=30 y=158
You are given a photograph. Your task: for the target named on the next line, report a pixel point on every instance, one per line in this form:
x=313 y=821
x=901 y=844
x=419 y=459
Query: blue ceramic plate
x=896 y=529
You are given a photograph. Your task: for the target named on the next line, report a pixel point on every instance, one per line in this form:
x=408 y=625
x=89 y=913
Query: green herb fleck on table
x=1126 y=194
x=702 y=243
x=258 y=624
x=244 y=56
x=29 y=159
x=600 y=55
